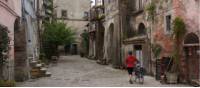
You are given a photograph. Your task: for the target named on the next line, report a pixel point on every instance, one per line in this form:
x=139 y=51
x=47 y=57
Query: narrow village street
x=43 y=42
x=73 y=71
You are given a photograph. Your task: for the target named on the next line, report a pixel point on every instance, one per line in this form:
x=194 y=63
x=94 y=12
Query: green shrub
x=7 y=83
x=55 y=34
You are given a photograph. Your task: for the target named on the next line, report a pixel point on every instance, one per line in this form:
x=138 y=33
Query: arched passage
x=191 y=48
x=21 y=71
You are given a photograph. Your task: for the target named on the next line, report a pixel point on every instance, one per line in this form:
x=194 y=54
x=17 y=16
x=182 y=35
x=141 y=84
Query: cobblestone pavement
x=73 y=71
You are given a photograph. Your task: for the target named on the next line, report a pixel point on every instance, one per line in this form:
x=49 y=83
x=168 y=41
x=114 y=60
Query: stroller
x=139 y=73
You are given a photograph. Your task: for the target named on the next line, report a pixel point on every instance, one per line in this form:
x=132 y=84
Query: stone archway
x=21 y=63
x=191 y=46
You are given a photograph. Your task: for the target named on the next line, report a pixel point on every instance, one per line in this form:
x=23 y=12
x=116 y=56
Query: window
x=86 y=14
x=140 y=4
x=168 y=23
x=64 y=13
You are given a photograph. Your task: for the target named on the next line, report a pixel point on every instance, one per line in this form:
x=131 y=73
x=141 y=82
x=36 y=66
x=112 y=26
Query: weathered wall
x=75 y=14
x=159 y=35
x=112 y=37
x=187 y=10
x=9 y=11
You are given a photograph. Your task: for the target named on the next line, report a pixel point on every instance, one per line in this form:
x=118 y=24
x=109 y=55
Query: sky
x=93 y=2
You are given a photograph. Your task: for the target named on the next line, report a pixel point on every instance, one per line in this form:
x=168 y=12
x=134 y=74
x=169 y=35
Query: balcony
x=97 y=13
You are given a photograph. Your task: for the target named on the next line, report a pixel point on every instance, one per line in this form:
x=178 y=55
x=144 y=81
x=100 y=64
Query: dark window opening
x=168 y=23
x=138 y=47
x=64 y=13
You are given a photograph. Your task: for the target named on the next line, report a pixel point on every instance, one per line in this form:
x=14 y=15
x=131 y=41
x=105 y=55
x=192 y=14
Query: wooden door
x=193 y=62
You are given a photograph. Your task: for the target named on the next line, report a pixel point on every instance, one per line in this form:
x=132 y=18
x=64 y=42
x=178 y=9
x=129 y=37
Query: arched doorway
x=21 y=70
x=140 y=48
x=191 y=48
x=110 y=42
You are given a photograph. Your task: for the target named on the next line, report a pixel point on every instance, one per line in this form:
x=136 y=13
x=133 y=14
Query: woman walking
x=130 y=64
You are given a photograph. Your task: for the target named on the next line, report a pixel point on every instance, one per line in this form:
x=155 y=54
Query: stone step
x=35 y=74
x=33 y=63
x=48 y=74
x=43 y=64
x=38 y=65
x=43 y=69
x=195 y=83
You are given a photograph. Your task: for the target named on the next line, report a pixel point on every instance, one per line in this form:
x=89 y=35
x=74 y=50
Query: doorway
x=74 y=49
x=139 y=54
x=191 y=48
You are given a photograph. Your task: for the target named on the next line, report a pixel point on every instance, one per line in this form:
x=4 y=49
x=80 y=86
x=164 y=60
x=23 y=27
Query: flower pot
x=172 y=78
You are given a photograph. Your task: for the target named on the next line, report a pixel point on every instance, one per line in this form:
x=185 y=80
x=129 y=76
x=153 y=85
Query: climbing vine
x=151 y=10
x=156 y=49
x=4 y=45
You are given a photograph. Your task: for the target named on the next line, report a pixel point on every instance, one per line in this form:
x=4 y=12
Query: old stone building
x=129 y=26
x=97 y=18
x=136 y=33
x=123 y=18
x=112 y=37
x=74 y=13
x=10 y=12
x=105 y=32
x=162 y=29
x=26 y=37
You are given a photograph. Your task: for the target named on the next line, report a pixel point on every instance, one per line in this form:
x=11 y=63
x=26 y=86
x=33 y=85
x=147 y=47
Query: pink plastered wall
x=9 y=11
x=189 y=11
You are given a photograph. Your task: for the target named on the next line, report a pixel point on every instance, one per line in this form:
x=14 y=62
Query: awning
x=91 y=31
x=135 y=40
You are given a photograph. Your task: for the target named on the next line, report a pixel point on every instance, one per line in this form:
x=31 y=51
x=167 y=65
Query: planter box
x=172 y=78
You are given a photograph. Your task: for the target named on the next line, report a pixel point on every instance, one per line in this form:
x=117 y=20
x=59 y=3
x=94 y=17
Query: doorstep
x=195 y=83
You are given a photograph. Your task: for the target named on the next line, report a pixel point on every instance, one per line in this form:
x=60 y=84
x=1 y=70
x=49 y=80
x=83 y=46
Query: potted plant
x=178 y=33
x=157 y=49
